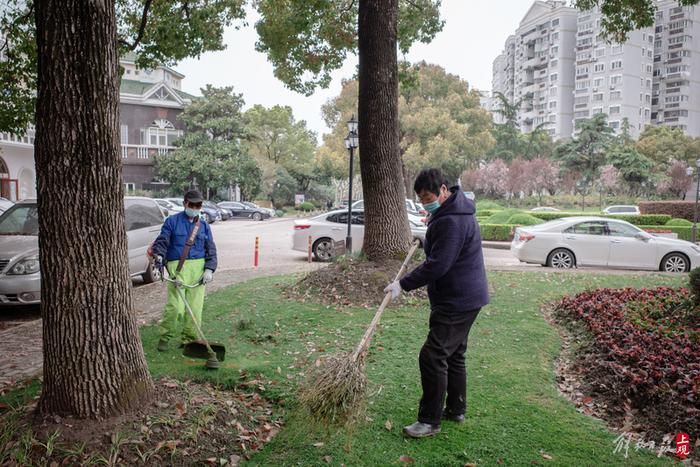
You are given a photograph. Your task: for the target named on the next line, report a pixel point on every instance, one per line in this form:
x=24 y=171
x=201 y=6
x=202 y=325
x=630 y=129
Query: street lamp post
x=697 y=189
x=351 y=142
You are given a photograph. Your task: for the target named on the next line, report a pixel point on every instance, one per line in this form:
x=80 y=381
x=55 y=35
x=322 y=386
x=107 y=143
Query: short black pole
x=348 y=239
x=695 y=216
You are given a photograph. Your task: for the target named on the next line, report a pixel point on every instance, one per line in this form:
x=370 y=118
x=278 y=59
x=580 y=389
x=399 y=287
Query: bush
x=486 y=204
x=306 y=206
x=676 y=209
x=280 y=212
x=487 y=212
x=496 y=233
x=524 y=219
x=679 y=222
x=645 y=219
x=694 y=283
x=639 y=353
x=502 y=217
x=550 y=216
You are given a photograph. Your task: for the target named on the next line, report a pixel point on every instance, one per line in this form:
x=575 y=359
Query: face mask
x=432 y=207
x=192 y=212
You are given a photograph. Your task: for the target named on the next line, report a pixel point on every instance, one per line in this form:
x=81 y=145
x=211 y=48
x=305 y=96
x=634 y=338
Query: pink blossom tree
x=679 y=182
x=608 y=181
x=493 y=178
x=542 y=176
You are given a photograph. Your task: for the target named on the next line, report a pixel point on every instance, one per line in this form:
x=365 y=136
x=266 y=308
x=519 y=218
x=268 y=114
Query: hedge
x=679 y=222
x=497 y=232
x=646 y=219
x=675 y=209
x=524 y=219
x=501 y=217
x=504 y=232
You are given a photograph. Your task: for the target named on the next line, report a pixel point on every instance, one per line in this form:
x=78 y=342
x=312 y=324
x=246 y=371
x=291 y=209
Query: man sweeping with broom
x=456 y=278
x=187 y=245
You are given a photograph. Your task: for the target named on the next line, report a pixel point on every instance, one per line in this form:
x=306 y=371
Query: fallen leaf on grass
x=328 y=459
x=471 y=464
x=546 y=456
x=318 y=445
x=407 y=459
x=180 y=408
x=388 y=425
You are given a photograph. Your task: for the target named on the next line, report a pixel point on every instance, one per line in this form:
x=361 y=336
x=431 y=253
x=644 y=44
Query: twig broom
x=336 y=389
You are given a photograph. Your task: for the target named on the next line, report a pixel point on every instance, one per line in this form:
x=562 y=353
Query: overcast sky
x=474 y=34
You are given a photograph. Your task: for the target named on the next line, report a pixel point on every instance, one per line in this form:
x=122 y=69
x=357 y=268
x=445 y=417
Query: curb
x=496 y=245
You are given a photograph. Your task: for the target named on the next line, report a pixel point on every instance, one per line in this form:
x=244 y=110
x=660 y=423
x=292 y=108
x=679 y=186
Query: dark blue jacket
x=174 y=234
x=454 y=266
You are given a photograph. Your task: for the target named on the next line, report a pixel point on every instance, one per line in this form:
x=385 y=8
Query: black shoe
x=457 y=418
x=421 y=430
x=162 y=345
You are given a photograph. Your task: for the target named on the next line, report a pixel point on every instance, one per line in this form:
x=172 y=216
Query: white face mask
x=192 y=212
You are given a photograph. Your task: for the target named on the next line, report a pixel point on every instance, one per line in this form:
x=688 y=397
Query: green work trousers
x=175 y=311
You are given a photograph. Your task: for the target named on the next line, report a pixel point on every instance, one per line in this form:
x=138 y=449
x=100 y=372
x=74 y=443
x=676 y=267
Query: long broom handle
x=364 y=343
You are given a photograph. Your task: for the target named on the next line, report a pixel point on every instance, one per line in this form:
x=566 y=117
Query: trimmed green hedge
x=486 y=204
x=524 y=219
x=501 y=217
x=679 y=222
x=486 y=212
x=644 y=219
x=497 y=232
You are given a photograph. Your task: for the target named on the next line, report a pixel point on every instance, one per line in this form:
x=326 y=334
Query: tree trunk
x=94 y=365
x=386 y=223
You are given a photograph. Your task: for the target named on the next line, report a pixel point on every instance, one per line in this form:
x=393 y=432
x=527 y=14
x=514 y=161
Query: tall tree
x=93 y=360
x=635 y=170
x=212 y=152
x=663 y=145
x=310 y=39
x=94 y=365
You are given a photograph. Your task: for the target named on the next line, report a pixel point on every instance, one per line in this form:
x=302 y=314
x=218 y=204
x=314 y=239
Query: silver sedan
x=601 y=242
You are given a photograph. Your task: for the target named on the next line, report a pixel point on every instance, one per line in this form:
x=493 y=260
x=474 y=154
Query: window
x=616 y=65
x=597 y=110
x=583 y=84
x=598 y=97
x=553 y=91
x=553 y=78
x=599 y=68
x=582 y=70
x=124 y=134
x=555 y=36
x=598 y=82
x=141 y=214
x=588 y=228
x=555 y=22
x=600 y=52
x=615 y=110
x=617 y=229
x=553 y=63
x=553 y=105
x=581 y=100
x=161 y=133
x=615 y=95
x=614 y=80
x=615 y=125
x=616 y=49
x=554 y=50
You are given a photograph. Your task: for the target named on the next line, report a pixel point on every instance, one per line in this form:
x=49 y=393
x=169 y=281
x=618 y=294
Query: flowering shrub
x=644 y=350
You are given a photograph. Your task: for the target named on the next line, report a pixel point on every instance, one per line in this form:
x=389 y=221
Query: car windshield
x=176 y=202
x=20 y=220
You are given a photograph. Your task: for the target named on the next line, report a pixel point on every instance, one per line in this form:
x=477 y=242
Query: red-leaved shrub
x=639 y=356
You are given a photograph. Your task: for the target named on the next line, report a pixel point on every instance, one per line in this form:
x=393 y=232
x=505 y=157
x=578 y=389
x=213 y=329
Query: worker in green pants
x=187 y=245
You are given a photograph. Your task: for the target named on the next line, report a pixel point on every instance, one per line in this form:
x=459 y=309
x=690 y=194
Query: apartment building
x=653 y=78
x=614 y=79
x=536 y=68
x=150 y=102
x=676 y=85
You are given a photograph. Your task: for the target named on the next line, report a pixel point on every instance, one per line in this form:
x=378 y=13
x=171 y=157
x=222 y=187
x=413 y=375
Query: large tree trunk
x=94 y=364
x=386 y=223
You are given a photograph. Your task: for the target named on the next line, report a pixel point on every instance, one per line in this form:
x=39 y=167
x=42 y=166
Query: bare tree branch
x=142 y=28
x=415 y=5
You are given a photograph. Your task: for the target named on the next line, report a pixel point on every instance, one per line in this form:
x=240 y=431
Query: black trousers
x=442 y=366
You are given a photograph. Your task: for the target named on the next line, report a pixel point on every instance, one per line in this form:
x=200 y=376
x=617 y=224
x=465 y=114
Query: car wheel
x=152 y=273
x=323 y=249
x=561 y=259
x=257 y=216
x=675 y=262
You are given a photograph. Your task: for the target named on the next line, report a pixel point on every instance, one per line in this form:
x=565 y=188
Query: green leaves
x=306 y=40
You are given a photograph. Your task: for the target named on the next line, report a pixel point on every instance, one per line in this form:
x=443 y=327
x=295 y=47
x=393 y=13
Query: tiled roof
x=128 y=86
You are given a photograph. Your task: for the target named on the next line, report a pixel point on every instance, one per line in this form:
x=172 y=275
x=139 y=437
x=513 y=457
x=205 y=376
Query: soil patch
x=185 y=424
x=353 y=282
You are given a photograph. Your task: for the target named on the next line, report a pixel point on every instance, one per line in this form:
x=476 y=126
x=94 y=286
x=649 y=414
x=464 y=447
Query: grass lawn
x=515 y=414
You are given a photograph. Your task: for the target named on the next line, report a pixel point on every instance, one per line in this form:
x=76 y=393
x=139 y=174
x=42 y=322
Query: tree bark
x=94 y=365
x=386 y=223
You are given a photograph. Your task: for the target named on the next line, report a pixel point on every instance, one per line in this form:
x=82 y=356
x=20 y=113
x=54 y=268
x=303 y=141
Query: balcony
x=25 y=141
x=142 y=153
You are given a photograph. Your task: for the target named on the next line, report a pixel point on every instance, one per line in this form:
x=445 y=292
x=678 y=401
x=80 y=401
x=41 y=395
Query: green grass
x=514 y=410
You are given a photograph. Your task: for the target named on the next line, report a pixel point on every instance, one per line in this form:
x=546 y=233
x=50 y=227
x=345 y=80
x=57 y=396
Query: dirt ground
x=185 y=423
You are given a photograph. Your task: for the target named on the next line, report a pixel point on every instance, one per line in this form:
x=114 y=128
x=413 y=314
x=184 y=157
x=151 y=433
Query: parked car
x=241 y=211
x=544 y=209
x=627 y=210
x=5 y=204
x=208 y=214
x=223 y=214
x=332 y=226
x=170 y=206
x=20 y=277
x=272 y=212
x=411 y=207
x=596 y=241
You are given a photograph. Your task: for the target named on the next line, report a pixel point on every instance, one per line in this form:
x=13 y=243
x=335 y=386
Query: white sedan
x=599 y=242
x=332 y=227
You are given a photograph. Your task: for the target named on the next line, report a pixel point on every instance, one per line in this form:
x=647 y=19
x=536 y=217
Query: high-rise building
x=676 y=85
x=614 y=79
x=565 y=71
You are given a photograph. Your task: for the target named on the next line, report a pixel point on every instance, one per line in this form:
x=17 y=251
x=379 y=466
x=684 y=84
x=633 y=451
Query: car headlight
x=25 y=266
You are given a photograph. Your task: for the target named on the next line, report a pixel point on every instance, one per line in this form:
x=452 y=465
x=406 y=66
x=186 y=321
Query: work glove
x=208 y=276
x=395 y=289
